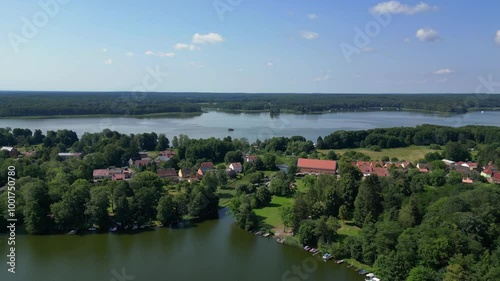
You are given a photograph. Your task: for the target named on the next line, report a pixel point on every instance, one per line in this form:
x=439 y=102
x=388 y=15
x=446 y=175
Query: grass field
x=271 y=213
x=411 y=153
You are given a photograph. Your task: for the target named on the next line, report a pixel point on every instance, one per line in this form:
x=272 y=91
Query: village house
x=496 y=178
x=372 y=168
x=143 y=155
x=166 y=155
x=205 y=167
x=314 y=166
x=112 y=173
x=12 y=151
x=250 y=158
x=184 y=173
x=69 y=155
x=140 y=163
x=467 y=181
x=237 y=167
x=171 y=174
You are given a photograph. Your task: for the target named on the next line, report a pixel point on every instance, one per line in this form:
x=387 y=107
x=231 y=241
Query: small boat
x=327 y=256
x=307 y=248
x=230 y=129
x=92 y=229
x=135 y=227
x=312 y=250
x=258 y=233
x=266 y=235
x=340 y=261
x=113 y=229
x=362 y=272
x=143 y=226
x=72 y=232
x=315 y=251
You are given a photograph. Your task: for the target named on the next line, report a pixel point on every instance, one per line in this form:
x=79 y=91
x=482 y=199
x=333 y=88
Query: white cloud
x=108 y=61
x=497 y=37
x=427 y=34
x=159 y=54
x=406 y=40
x=309 y=35
x=182 y=46
x=270 y=64
x=395 y=7
x=312 y=16
x=129 y=54
x=443 y=71
x=104 y=50
x=210 y=38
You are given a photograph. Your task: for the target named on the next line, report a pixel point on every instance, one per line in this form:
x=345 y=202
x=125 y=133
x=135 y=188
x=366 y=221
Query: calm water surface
x=213 y=250
x=253 y=126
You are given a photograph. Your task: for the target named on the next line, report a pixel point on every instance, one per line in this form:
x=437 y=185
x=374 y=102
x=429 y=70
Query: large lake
x=255 y=126
x=214 y=250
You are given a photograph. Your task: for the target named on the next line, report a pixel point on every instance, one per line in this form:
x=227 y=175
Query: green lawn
x=411 y=153
x=348 y=229
x=271 y=213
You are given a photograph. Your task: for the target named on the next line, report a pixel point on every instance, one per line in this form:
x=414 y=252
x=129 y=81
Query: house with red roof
x=314 y=166
x=250 y=158
x=496 y=178
x=205 y=167
x=467 y=181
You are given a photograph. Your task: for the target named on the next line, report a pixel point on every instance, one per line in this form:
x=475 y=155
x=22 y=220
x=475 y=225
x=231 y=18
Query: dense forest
x=139 y=103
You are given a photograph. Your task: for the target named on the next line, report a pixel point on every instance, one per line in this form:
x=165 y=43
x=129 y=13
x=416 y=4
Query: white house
x=236 y=167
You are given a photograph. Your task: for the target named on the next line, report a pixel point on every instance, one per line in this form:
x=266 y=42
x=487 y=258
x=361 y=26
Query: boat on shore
x=307 y=248
x=340 y=261
x=327 y=256
x=72 y=232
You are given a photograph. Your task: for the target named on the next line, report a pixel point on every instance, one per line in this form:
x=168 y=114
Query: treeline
x=406 y=136
x=414 y=226
x=130 y=103
x=54 y=104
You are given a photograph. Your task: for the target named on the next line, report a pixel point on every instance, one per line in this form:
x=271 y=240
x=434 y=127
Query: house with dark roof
x=168 y=173
x=250 y=158
x=184 y=173
x=315 y=166
x=205 y=167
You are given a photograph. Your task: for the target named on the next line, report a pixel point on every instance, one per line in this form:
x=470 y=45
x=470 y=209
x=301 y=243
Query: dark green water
x=213 y=250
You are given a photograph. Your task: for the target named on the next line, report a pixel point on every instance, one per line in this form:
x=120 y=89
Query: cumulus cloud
x=309 y=35
x=312 y=16
x=104 y=50
x=108 y=61
x=395 y=7
x=497 y=37
x=443 y=71
x=182 y=46
x=210 y=38
x=159 y=54
x=427 y=35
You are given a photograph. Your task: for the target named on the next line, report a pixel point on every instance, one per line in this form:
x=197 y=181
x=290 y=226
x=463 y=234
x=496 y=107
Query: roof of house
x=163 y=173
x=68 y=154
x=8 y=148
x=467 y=180
x=100 y=172
x=185 y=172
x=317 y=164
x=251 y=157
x=496 y=176
x=119 y=177
x=168 y=153
x=207 y=165
x=236 y=165
x=488 y=172
x=423 y=170
x=143 y=162
x=381 y=172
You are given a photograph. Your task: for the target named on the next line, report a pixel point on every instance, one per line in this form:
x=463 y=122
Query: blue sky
x=299 y=46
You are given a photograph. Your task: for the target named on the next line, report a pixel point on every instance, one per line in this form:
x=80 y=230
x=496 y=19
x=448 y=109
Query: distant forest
x=15 y=104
